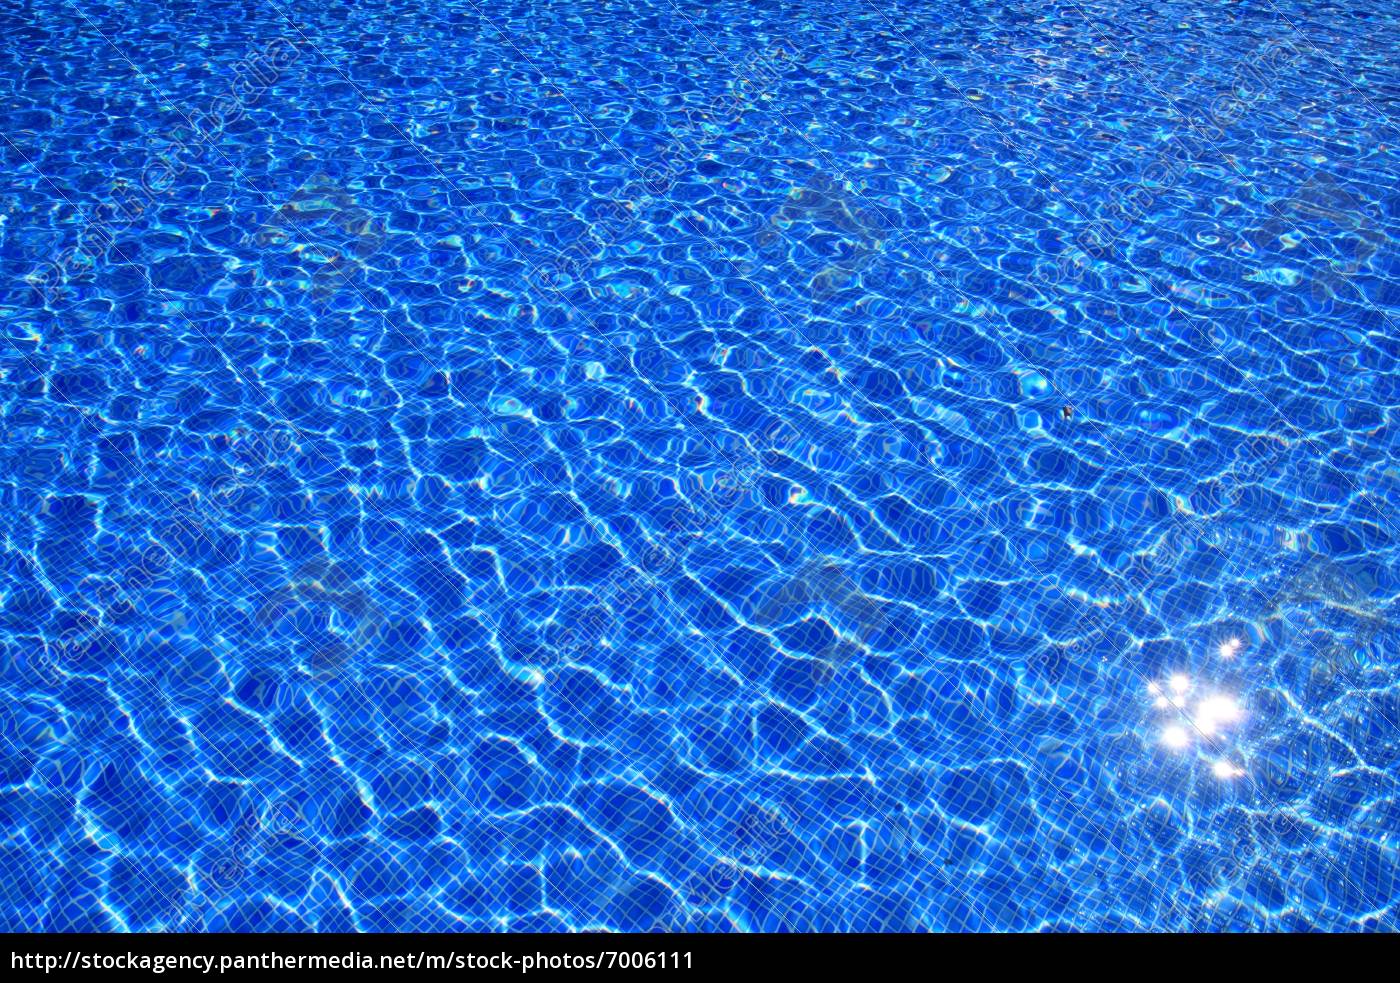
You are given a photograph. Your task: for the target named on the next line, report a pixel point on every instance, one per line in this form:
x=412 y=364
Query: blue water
x=699 y=465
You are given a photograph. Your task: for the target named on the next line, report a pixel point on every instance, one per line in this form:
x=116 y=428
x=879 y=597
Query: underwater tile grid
x=699 y=466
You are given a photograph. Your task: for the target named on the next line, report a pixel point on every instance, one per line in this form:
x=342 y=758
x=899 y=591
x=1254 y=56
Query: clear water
x=724 y=465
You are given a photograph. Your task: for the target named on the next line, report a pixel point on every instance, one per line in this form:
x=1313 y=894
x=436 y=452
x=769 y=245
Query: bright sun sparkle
x=1214 y=712
x=1230 y=648
x=1210 y=715
x=1176 y=736
x=1224 y=769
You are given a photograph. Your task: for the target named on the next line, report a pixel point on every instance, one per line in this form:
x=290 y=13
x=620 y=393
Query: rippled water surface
x=699 y=466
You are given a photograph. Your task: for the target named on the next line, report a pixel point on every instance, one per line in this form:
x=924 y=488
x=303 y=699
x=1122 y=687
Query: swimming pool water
x=635 y=464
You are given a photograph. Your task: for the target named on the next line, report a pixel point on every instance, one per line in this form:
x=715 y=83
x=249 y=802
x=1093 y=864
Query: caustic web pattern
x=664 y=465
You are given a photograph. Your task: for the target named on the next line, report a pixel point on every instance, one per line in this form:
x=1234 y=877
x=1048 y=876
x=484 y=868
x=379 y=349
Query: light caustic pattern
x=687 y=466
